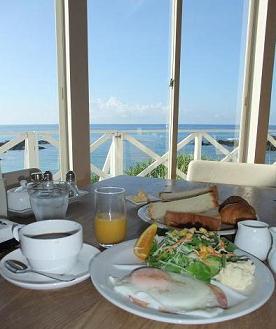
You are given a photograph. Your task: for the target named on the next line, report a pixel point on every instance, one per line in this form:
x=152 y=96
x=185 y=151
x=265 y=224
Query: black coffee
x=48 y=236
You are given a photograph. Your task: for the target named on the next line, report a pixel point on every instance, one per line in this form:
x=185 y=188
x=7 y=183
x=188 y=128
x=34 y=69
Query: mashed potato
x=237 y=275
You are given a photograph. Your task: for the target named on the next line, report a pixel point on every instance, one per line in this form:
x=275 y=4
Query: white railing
x=31 y=151
x=114 y=161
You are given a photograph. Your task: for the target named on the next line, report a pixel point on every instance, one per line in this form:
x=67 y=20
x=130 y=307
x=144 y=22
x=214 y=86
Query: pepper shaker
x=48 y=179
x=48 y=176
x=37 y=177
x=71 y=180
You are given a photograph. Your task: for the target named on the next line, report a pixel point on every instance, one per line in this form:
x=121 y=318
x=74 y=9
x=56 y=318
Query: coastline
x=154 y=136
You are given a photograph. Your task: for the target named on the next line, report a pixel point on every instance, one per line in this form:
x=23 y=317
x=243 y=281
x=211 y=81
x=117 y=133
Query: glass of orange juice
x=110 y=218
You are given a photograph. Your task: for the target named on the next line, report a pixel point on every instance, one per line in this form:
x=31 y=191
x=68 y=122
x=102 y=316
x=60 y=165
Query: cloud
x=134 y=6
x=114 y=110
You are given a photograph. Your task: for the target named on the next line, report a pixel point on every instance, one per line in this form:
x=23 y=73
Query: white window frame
x=174 y=86
x=72 y=48
x=258 y=76
x=71 y=24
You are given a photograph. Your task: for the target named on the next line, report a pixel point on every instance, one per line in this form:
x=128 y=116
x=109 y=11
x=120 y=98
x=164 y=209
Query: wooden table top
x=81 y=306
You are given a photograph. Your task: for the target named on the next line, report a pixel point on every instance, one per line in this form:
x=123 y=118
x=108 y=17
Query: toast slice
x=210 y=219
x=166 y=196
x=193 y=204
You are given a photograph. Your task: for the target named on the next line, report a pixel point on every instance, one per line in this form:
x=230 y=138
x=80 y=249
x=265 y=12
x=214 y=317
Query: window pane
x=129 y=68
x=28 y=79
x=271 y=146
x=213 y=45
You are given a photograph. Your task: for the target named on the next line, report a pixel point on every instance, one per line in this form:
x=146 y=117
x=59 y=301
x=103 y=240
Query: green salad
x=199 y=253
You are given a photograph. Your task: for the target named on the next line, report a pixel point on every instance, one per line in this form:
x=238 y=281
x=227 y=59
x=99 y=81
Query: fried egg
x=168 y=292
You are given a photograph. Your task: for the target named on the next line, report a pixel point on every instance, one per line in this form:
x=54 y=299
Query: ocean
x=154 y=136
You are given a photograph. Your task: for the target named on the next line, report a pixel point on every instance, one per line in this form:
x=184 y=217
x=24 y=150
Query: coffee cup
x=50 y=245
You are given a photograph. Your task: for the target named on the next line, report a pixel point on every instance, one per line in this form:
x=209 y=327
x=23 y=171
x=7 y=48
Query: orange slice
x=144 y=242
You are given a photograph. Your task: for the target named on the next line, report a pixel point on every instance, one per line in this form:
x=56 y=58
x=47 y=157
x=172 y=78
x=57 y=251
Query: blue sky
x=129 y=61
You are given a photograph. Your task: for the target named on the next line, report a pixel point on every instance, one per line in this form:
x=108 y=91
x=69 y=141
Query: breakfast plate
x=38 y=282
x=143 y=214
x=107 y=264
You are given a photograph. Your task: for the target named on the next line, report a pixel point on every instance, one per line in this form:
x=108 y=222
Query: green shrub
x=94 y=178
x=183 y=161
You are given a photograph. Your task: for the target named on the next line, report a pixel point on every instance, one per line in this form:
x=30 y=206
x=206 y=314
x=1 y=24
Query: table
x=81 y=306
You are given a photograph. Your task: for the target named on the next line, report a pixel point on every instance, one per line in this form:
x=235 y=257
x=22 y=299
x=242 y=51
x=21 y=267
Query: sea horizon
x=155 y=138
x=136 y=125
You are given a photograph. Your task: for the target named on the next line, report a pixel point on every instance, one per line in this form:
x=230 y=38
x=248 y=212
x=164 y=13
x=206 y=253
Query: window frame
x=74 y=103
x=72 y=48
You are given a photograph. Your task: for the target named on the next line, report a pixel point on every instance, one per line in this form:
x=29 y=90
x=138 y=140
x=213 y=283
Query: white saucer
x=39 y=282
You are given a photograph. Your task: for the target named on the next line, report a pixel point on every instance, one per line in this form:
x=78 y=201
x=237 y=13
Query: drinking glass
x=110 y=218
x=49 y=200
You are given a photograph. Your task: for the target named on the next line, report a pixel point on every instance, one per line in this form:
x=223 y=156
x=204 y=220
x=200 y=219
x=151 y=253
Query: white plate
x=143 y=214
x=104 y=266
x=39 y=282
x=150 y=198
x=28 y=211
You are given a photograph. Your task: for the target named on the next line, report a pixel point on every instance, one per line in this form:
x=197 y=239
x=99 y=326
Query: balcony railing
x=114 y=160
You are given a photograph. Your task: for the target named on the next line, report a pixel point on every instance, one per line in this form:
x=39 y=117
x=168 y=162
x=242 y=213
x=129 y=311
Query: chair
x=13 y=178
x=232 y=173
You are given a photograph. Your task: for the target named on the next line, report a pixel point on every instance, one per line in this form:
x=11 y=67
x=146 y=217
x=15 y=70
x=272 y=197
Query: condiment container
x=253 y=237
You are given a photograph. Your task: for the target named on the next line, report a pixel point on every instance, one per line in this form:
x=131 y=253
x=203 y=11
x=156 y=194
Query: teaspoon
x=16 y=266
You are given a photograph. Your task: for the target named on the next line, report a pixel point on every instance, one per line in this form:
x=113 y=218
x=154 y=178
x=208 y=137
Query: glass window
x=212 y=60
x=28 y=80
x=271 y=144
x=129 y=73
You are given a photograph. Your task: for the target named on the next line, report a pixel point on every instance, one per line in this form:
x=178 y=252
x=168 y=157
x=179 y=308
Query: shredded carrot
x=182 y=240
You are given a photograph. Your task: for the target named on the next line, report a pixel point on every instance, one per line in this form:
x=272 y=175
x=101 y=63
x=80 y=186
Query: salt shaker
x=48 y=179
x=71 y=180
x=48 y=176
x=37 y=177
